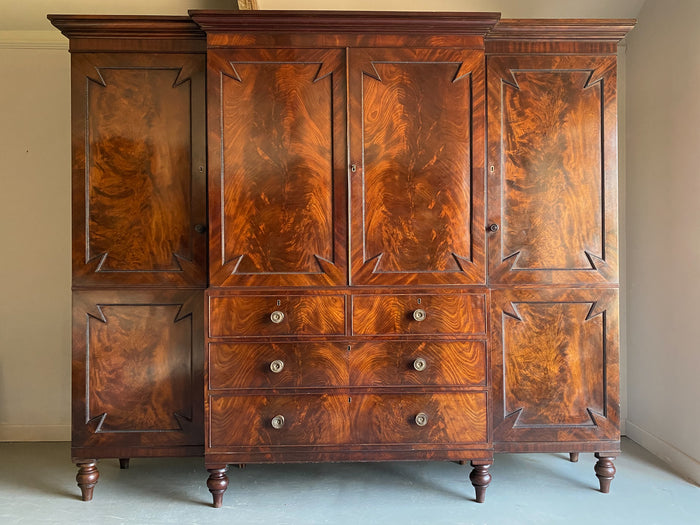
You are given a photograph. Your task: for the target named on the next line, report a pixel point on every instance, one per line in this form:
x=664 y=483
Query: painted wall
x=663 y=232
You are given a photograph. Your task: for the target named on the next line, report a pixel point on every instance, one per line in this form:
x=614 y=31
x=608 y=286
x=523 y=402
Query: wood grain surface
x=393 y=314
x=138 y=170
x=137 y=369
x=451 y=418
x=247 y=366
x=555 y=364
x=250 y=315
x=391 y=363
x=246 y=421
x=277 y=161
x=416 y=117
x=552 y=189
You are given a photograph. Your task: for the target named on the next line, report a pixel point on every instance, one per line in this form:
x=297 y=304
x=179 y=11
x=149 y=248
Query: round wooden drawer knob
x=419 y=364
x=419 y=314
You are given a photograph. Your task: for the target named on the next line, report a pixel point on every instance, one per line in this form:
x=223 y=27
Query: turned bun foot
x=605 y=471
x=480 y=478
x=217 y=484
x=573 y=457
x=87 y=477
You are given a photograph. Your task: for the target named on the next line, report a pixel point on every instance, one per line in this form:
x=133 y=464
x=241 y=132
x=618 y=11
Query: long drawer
x=270 y=315
x=449 y=313
x=415 y=363
x=277 y=365
x=332 y=419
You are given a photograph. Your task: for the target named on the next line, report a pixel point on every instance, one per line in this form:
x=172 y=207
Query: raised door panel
x=555 y=365
x=416 y=154
x=277 y=155
x=137 y=368
x=139 y=173
x=552 y=177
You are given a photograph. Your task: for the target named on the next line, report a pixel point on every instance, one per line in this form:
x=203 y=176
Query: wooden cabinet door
x=416 y=166
x=555 y=365
x=552 y=176
x=139 y=172
x=277 y=169
x=138 y=361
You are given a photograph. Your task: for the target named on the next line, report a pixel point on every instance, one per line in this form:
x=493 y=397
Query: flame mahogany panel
x=416 y=122
x=137 y=365
x=138 y=170
x=555 y=365
x=277 y=157
x=552 y=180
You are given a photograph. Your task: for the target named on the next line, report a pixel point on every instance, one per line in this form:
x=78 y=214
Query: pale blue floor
x=37 y=486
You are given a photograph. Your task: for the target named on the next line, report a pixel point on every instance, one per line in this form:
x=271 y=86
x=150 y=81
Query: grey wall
x=663 y=232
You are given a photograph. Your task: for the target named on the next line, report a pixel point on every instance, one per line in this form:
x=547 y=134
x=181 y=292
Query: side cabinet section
x=555 y=366
x=137 y=373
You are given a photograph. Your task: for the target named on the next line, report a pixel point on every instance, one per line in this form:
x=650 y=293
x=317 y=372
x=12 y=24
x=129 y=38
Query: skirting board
x=34 y=432
x=679 y=461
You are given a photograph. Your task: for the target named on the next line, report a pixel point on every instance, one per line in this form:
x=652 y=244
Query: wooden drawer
x=247 y=421
x=252 y=315
x=388 y=363
x=400 y=314
x=449 y=418
x=277 y=365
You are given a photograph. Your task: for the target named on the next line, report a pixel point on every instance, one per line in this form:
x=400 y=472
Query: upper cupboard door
x=139 y=172
x=277 y=164
x=417 y=166
x=552 y=177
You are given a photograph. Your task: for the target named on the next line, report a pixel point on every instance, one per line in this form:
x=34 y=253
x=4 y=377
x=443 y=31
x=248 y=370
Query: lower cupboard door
x=137 y=372
x=259 y=421
x=434 y=419
x=555 y=365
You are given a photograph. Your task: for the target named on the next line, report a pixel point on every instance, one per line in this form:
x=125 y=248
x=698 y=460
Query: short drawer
x=420 y=418
x=277 y=365
x=254 y=421
x=253 y=315
x=419 y=314
x=400 y=363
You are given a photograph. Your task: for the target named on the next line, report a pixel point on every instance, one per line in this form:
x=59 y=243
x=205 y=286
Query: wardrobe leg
x=573 y=457
x=605 y=470
x=480 y=478
x=87 y=477
x=217 y=484
x=123 y=463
